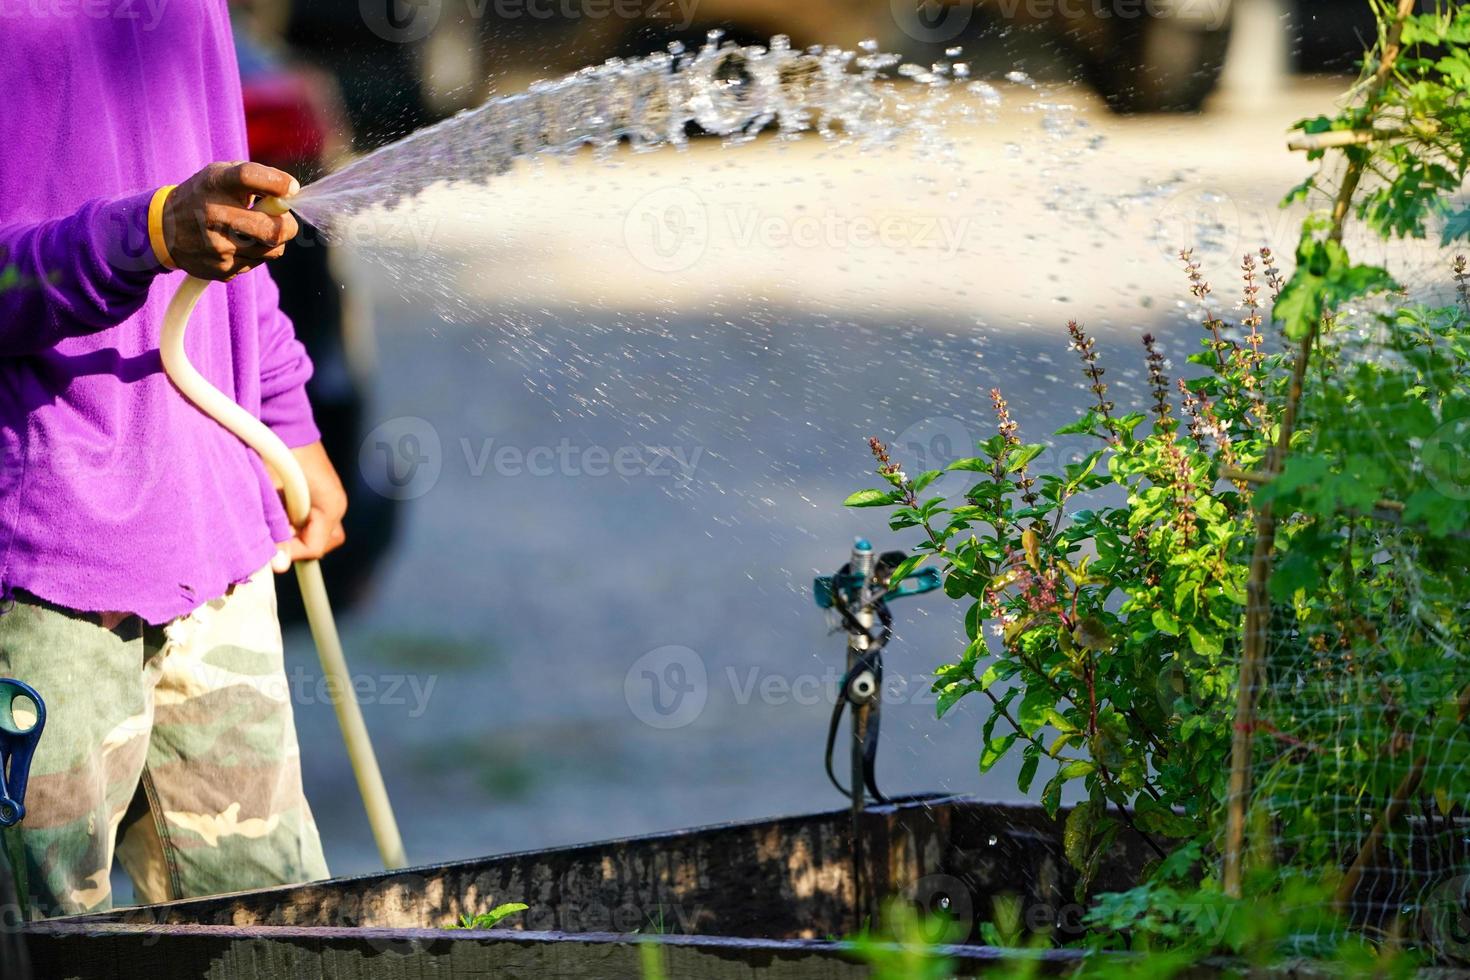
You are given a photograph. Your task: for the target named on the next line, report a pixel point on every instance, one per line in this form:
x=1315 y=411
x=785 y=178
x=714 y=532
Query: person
x=137 y=536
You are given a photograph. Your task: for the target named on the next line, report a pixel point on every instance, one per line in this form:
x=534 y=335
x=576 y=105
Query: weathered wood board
x=747 y=900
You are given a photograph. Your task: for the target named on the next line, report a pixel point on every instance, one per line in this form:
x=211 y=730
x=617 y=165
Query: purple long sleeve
x=75 y=274
x=115 y=493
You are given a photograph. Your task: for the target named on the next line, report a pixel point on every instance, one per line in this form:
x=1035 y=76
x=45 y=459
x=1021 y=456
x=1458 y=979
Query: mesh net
x=1361 y=757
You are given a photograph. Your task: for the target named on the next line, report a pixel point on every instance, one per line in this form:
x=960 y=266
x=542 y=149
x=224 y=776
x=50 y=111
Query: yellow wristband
x=155 y=226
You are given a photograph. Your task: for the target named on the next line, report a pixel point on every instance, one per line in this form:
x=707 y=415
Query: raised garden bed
x=761 y=898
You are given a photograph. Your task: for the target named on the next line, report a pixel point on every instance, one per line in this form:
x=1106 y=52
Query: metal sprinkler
x=860 y=593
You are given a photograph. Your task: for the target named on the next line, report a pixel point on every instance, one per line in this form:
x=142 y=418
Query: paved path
x=644 y=391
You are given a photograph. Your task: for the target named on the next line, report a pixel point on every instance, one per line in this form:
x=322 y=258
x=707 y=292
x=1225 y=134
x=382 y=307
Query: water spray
x=279 y=459
x=860 y=593
x=723 y=89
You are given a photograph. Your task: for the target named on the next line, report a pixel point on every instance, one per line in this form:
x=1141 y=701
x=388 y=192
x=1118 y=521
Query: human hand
x=211 y=231
x=322 y=531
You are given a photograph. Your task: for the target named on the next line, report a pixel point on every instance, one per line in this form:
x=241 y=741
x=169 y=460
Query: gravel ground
x=636 y=397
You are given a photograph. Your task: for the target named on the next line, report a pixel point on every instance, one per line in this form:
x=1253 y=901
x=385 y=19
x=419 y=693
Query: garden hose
x=280 y=460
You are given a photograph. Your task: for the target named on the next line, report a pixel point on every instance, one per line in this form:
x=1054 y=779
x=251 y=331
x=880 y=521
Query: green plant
x=651 y=960
x=491 y=919
x=1263 y=572
x=1114 y=588
x=908 y=947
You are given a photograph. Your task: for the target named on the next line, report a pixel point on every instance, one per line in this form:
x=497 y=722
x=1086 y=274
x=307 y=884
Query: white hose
x=255 y=434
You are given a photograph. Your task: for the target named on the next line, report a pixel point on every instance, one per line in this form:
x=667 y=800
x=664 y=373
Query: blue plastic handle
x=17 y=746
x=917 y=582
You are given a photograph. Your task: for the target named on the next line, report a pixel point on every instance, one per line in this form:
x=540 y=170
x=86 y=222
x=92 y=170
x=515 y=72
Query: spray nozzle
x=867 y=569
x=275 y=206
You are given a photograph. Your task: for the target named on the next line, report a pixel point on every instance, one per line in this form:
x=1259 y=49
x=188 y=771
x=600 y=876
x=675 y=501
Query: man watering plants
x=137 y=536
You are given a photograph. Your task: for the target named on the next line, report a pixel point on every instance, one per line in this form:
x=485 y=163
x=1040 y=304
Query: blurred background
x=598 y=416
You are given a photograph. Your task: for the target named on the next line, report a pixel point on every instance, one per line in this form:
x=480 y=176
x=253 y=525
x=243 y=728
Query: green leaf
x=489 y=920
x=1022 y=456
x=1077 y=834
x=1036 y=707
x=999 y=671
x=1205 y=644
x=1028 y=768
x=1456 y=226
x=950 y=694
x=994 y=749
x=904 y=568
x=1165 y=621
x=1161 y=819
x=1077 y=768
x=924 y=479
x=1324 y=278
x=1082 y=426
x=872 y=498
x=1051 y=796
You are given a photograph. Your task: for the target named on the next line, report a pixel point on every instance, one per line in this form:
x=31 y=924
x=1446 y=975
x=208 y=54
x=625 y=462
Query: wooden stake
x=1258 y=600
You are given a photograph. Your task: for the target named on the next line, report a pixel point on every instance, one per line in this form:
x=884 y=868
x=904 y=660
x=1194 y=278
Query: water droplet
x=987 y=93
x=993 y=840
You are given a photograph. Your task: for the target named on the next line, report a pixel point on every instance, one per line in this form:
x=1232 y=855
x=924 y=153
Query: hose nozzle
x=275 y=206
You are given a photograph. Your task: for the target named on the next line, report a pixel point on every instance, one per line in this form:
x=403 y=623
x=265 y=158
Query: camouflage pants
x=173 y=747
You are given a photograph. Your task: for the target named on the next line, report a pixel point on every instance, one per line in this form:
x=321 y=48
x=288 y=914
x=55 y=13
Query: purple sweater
x=115 y=493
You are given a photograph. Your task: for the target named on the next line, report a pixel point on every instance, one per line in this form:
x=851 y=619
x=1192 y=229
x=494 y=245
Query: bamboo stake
x=1257 y=611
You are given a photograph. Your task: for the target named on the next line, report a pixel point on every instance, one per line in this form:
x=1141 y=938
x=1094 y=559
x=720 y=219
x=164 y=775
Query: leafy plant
x=908 y=947
x=1113 y=589
x=1236 y=619
x=492 y=918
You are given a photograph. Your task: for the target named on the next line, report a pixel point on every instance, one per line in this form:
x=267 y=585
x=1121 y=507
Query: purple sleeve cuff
x=120 y=230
